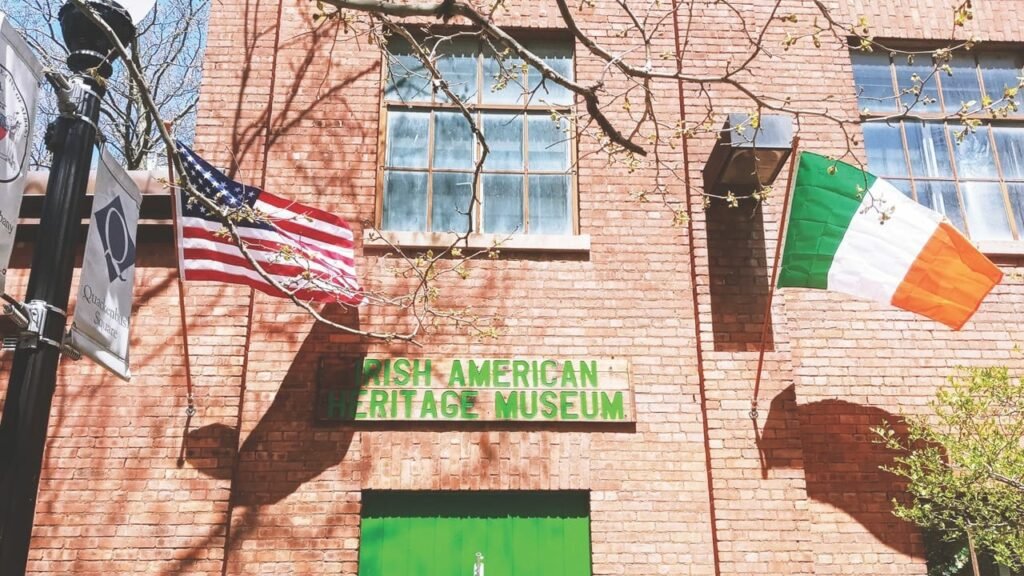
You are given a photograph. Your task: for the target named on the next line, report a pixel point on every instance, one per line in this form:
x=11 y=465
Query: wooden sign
x=491 y=389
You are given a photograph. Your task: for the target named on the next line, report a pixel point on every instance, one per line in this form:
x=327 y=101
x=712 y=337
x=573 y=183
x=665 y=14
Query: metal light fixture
x=88 y=47
x=33 y=379
x=746 y=157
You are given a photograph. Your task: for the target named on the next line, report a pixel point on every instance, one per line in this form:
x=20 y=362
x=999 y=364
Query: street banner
x=99 y=329
x=20 y=75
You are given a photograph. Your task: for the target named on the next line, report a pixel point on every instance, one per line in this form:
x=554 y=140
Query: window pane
x=453 y=141
x=903 y=186
x=929 y=152
x=407 y=80
x=450 y=202
x=986 y=212
x=458 y=65
x=962 y=87
x=941 y=197
x=1017 y=203
x=873 y=79
x=905 y=82
x=973 y=154
x=549 y=205
x=1010 y=146
x=549 y=143
x=405 y=201
x=503 y=203
x=559 y=58
x=884 y=147
x=407 y=139
x=504 y=135
x=504 y=81
x=1001 y=71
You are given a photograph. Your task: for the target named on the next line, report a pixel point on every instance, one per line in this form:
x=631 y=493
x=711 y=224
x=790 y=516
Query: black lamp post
x=71 y=138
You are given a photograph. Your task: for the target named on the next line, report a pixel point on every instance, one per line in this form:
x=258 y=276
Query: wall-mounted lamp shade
x=746 y=157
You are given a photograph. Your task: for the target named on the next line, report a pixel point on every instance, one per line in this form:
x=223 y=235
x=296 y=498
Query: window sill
x=516 y=243
x=1001 y=247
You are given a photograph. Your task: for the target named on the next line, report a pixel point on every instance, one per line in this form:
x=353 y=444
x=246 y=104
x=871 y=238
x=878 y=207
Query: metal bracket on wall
x=68 y=350
x=19 y=316
x=38 y=313
x=69 y=96
x=16 y=312
x=61 y=89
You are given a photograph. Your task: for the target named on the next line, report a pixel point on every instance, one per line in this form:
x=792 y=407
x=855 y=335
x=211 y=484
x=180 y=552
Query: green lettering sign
x=378 y=400
x=421 y=373
x=611 y=408
x=500 y=378
x=400 y=367
x=547 y=402
x=544 y=372
x=450 y=403
x=544 y=389
x=506 y=405
x=568 y=375
x=467 y=400
x=480 y=374
x=407 y=398
x=371 y=372
x=567 y=408
x=457 y=375
x=588 y=373
x=428 y=410
x=520 y=374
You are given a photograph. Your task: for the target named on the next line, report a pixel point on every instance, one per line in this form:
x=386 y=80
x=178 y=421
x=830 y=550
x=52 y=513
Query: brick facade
x=695 y=487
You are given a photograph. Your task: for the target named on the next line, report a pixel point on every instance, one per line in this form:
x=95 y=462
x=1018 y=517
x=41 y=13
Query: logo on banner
x=14 y=136
x=118 y=246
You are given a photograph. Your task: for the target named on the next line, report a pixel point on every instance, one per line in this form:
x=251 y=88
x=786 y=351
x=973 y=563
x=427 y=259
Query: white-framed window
x=976 y=179
x=429 y=151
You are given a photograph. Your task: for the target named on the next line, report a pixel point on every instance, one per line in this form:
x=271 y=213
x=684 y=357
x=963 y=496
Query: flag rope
x=793 y=159
x=190 y=409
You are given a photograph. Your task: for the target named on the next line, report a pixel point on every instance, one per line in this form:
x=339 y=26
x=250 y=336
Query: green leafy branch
x=964 y=464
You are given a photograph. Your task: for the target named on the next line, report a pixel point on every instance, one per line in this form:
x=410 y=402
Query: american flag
x=306 y=250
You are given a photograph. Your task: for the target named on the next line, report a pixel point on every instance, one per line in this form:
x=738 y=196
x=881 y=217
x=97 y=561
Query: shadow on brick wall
x=285 y=449
x=738 y=274
x=842 y=462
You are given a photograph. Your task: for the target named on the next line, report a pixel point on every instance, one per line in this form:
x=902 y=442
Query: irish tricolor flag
x=850 y=231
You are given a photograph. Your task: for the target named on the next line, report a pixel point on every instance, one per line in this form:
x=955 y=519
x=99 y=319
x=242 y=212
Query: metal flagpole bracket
x=16 y=311
x=39 y=317
x=61 y=89
x=70 y=93
x=68 y=350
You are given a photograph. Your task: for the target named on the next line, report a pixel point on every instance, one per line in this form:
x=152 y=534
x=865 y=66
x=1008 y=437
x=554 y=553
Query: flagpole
x=190 y=410
x=775 y=270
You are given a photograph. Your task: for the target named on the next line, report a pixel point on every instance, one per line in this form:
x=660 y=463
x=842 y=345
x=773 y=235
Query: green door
x=440 y=534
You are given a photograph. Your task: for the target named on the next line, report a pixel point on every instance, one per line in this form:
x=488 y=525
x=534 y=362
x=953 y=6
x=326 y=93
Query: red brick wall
x=696 y=487
x=851 y=364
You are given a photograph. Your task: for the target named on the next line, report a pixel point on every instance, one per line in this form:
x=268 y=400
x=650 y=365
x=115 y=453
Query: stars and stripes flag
x=308 y=252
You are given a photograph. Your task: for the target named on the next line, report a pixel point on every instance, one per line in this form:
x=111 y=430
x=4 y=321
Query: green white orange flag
x=852 y=232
